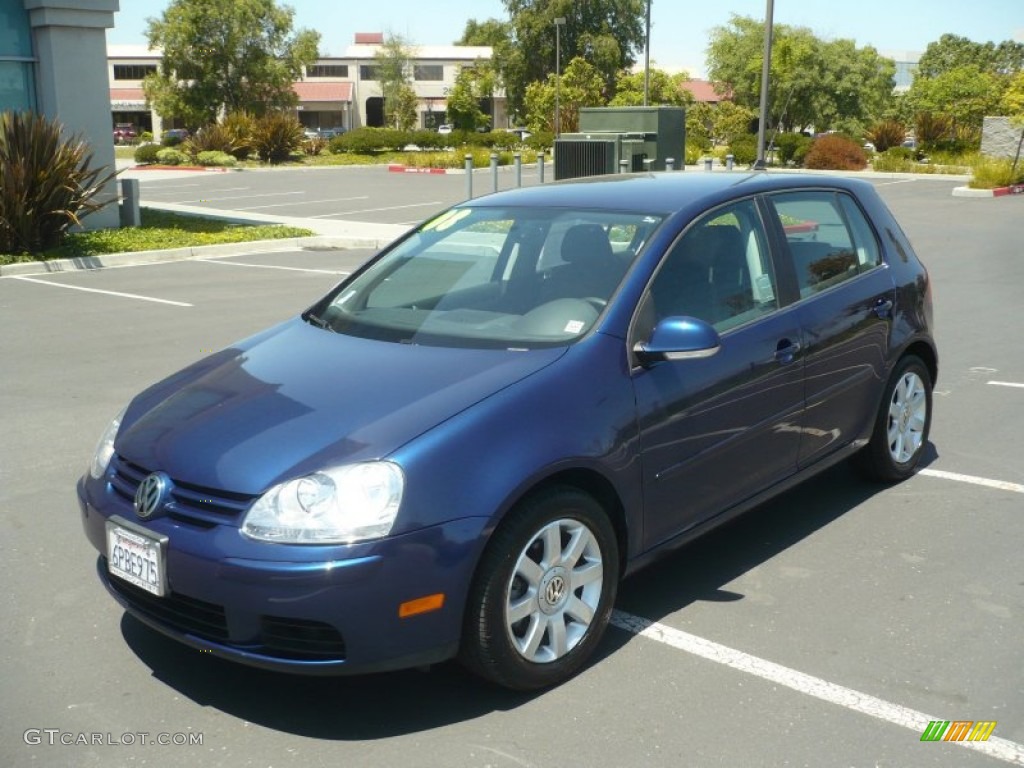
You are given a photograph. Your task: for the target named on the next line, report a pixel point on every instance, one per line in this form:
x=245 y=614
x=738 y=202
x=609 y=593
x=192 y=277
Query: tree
x=812 y=82
x=1013 y=98
x=394 y=73
x=663 y=89
x=953 y=52
x=581 y=87
x=606 y=33
x=965 y=94
x=491 y=32
x=472 y=86
x=222 y=56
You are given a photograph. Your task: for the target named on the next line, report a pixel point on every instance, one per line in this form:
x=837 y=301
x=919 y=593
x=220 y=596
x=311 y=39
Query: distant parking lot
x=826 y=628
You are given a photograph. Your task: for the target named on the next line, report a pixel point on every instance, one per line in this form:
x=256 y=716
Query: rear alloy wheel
x=902 y=425
x=543 y=593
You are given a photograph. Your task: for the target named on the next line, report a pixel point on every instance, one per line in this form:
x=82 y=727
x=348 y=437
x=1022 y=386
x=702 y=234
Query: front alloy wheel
x=554 y=592
x=544 y=591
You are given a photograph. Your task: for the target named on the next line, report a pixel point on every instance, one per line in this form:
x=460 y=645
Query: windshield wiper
x=313 y=318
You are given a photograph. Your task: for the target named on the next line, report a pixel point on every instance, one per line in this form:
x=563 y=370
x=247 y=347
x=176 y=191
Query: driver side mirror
x=678 y=338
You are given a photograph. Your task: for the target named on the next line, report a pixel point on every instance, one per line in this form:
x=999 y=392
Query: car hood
x=297 y=398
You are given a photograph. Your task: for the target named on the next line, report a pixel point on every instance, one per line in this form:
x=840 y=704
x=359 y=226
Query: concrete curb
x=1016 y=189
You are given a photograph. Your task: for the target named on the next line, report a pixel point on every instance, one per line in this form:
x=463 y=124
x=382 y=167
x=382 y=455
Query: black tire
x=902 y=425
x=555 y=604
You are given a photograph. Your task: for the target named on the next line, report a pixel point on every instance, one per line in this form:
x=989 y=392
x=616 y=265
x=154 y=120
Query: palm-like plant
x=47 y=183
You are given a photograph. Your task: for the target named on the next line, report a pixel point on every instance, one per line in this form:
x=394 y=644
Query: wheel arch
x=928 y=356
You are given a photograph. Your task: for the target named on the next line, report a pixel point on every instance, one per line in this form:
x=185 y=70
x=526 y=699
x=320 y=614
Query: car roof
x=663 y=192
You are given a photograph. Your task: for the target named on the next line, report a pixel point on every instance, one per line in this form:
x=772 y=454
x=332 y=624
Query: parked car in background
x=330 y=133
x=445 y=128
x=125 y=133
x=174 y=136
x=462 y=448
x=312 y=133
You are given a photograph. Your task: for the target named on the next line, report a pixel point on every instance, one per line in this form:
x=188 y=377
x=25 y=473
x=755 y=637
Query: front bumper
x=317 y=610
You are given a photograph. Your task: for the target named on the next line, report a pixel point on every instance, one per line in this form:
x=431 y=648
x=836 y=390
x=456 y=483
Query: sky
x=679 y=28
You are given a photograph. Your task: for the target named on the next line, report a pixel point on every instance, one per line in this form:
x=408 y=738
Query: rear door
x=845 y=311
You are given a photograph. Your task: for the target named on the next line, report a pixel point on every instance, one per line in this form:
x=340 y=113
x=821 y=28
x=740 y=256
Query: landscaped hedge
x=834 y=152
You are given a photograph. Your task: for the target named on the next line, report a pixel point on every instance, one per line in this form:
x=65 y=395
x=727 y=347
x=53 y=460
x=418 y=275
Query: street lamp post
x=559 y=22
x=766 y=67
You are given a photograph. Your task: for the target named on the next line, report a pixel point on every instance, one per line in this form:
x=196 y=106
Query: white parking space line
x=108 y=293
x=270 y=266
x=1006 y=384
x=896 y=181
x=216 y=195
x=305 y=202
x=999 y=485
x=1001 y=749
x=373 y=210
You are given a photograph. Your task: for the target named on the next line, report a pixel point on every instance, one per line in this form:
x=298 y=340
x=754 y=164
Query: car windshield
x=491 y=277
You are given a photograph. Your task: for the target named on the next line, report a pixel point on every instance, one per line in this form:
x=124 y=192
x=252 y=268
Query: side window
x=829 y=239
x=718 y=271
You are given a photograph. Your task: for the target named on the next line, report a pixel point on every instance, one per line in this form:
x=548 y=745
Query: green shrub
x=428 y=139
x=996 y=172
x=792 y=147
x=886 y=134
x=834 y=152
x=172 y=156
x=217 y=159
x=364 y=141
x=47 y=183
x=894 y=160
x=145 y=137
x=744 y=149
x=541 y=141
x=146 y=153
x=313 y=147
x=238 y=127
x=210 y=138
x=693 y=153
x=276 y=136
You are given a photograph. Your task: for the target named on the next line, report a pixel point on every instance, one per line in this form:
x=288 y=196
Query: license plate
x=136 y=556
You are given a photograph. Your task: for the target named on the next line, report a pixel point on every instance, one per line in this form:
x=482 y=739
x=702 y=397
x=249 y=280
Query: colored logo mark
x=958 y=730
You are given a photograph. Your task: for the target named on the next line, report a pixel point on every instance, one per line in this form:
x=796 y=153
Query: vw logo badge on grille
x=151 y=493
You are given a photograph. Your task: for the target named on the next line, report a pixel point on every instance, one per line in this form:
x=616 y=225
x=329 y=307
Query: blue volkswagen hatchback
x=464 y=446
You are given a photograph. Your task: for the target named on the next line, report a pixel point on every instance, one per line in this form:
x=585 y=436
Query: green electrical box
x=634 y=133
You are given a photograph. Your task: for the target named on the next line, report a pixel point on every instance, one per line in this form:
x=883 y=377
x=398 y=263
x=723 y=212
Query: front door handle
x=883 y=308
x=786 y=351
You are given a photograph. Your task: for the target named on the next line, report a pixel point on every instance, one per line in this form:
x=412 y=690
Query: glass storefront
x=17 y=91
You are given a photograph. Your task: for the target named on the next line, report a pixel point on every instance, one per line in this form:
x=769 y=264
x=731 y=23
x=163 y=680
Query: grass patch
x=991 y=173
x=159 y=230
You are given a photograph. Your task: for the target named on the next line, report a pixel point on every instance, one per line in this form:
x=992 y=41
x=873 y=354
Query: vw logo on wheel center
x=151 y=493
x=553 y=589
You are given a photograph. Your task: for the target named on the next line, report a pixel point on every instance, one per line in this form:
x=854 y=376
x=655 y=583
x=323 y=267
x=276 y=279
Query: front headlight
x=341 y=505
x=105 y=447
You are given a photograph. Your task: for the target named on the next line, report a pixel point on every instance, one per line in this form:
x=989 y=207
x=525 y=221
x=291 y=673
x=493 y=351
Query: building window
x=17 y=89
x=425 y=72
x=369 y=72
x=133 y=71
x=327 y=70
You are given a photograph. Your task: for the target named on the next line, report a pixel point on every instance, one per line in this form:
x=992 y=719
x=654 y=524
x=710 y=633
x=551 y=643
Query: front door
x=717 y=430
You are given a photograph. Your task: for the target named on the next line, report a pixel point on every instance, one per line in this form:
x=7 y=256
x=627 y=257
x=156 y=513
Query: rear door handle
x=786 y=351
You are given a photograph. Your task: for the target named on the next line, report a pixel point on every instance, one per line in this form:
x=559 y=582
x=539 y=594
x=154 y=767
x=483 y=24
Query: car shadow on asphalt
x=368 y=707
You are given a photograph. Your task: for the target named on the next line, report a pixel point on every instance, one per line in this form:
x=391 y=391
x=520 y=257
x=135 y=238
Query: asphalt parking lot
x=826 y=628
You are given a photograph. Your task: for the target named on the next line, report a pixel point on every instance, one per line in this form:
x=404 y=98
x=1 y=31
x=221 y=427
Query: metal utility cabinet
x=609 y=135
